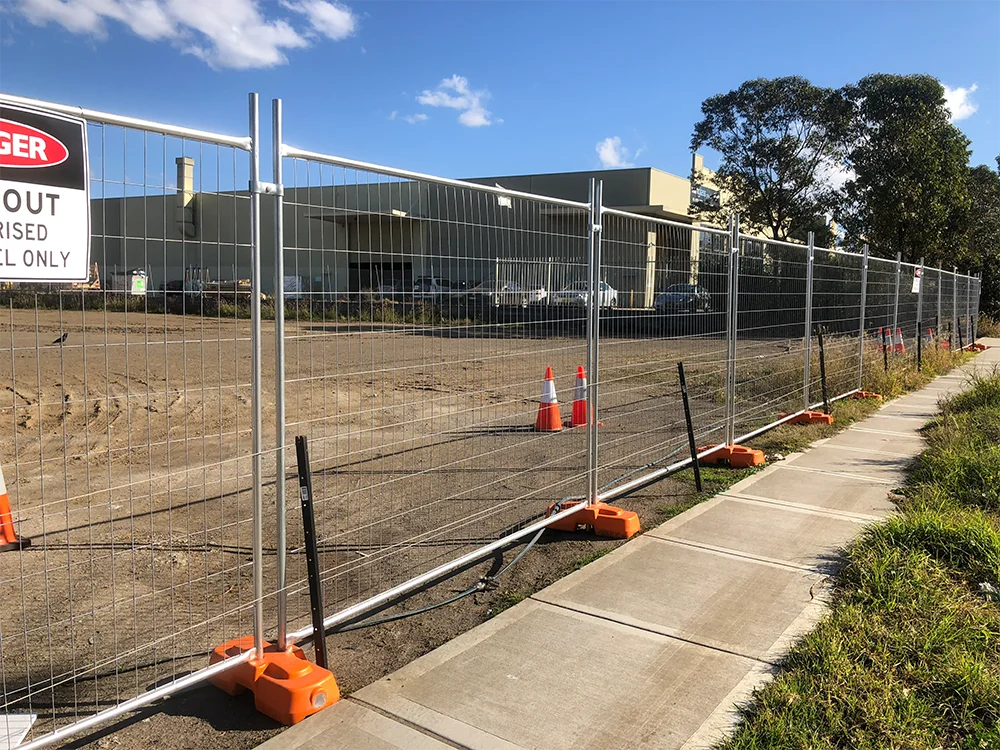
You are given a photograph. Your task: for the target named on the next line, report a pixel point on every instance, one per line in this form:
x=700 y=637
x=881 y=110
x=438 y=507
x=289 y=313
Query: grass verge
x=909 y=655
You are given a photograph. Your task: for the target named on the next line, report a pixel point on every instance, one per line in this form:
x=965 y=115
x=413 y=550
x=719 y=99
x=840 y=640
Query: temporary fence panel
x=836 y=303
x=908 y=311
x=771 y=343
x=129 y=434
x=664 y=302
x=420 y=397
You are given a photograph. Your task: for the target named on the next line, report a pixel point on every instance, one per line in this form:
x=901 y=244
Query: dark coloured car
x=689 y=298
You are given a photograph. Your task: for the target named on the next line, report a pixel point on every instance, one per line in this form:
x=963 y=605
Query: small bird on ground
x=61 y=339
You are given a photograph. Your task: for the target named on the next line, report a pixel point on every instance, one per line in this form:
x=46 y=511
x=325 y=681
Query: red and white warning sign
x=44 y=196
x=917 y=275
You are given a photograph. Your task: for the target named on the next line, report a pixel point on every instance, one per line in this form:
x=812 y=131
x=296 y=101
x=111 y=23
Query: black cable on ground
x=487 y=582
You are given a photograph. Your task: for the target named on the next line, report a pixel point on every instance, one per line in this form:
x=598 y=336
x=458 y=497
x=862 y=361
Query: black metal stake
x=920 y=360
x=312 y=552
x=822 y=370
x=690 y=427
x=937 y=331
x=961 y=346
x=886 y=338
x=950 y=334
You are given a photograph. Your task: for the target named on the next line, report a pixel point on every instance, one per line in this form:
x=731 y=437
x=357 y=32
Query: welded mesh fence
x=414 y=320
x=666 y=303
x=771 y=326
x=128 y=431
x=420 y=400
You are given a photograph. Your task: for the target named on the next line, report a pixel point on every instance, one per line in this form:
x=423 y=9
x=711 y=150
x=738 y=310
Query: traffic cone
x=881 y=339
x=579 y=418
x=8 y=539
x=548 y=419
x=899 y=347
x=930 y=337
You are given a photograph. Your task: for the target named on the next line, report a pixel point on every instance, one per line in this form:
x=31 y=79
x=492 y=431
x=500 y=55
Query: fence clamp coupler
x=266 y=188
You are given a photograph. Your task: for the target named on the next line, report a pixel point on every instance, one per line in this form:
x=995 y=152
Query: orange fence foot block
x=810 y=417
x=737 y=456
x=861 y=395
x=605 y=520
x=285 y=685
x=979 y=347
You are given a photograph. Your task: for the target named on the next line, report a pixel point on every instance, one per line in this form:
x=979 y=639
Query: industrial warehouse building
x=352 y=231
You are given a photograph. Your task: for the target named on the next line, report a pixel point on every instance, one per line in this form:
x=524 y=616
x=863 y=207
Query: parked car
x=578 y=293
x=683 y=298
x=505 y=294
x=431 y=289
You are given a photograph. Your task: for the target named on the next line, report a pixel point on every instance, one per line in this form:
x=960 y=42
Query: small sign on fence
x=917 y=274
x=44 y=196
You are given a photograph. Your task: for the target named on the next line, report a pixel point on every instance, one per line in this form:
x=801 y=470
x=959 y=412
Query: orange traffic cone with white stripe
x=881 y=340
x=898 y=346
x=8 y=539
x=579 y=418
x=548 y=419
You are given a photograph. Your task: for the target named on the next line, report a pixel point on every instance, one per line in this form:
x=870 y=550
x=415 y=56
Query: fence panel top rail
x=240 y=142
x=339 y=161
x=666 y=222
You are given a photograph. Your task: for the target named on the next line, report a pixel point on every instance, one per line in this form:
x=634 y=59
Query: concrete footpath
x=652 y=645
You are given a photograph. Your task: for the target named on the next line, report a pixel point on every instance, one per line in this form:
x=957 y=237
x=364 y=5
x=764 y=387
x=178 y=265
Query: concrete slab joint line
x=657 y=641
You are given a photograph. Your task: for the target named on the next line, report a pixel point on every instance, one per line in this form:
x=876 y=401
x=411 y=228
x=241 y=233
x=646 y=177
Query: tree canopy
x=908 y=192
x=776 y=137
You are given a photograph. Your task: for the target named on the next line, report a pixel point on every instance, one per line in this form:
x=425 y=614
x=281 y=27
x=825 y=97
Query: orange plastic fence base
x=979 y=347
x=810 y=417
x=285 y=685
x=737 y=456
x=605 y=520
x=861 y=395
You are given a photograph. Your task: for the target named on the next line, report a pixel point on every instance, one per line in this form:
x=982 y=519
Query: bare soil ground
x=129 y=466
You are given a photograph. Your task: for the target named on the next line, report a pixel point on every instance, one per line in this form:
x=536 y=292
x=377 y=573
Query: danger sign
x=44 y=196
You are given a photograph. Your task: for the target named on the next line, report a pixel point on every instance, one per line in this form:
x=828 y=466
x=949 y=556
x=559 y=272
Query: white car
x=578 y=293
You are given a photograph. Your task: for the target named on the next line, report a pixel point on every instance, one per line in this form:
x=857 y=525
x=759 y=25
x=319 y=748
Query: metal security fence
x=404 y=323
x=129 y=434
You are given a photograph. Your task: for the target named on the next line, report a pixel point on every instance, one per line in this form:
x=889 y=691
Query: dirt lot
x=130 y=467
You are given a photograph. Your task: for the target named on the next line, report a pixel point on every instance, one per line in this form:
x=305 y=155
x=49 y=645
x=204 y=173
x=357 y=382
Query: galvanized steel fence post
x=954 y=302
x=968 y=308
x=861 y=320
x=937 y=318
x=279 y=375
x=255 y=384
x=593 y=333
x=807 y=341
x=920 y=314
x=895 y=298
x=731 y=321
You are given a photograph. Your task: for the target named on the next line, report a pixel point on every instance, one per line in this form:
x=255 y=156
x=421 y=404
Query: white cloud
x=612 y=153
x=959 y=101
x=331 y=19
x=455 y=93
x=224 y=33
x=413 y=119
x=393 y=114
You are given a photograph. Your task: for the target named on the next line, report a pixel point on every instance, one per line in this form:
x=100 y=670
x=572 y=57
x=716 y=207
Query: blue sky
x=480 y=88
